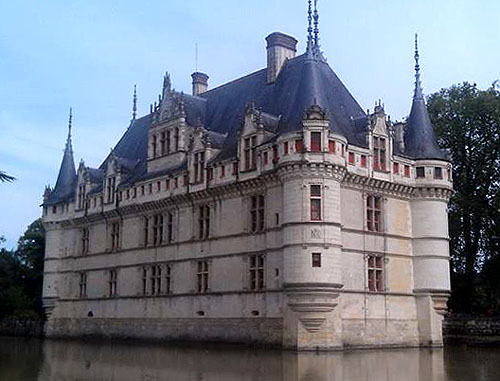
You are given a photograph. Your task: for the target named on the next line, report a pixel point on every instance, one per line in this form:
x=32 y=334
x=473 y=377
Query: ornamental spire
x=134 y=103
x=418 y=84
x=70 y=122
x=309 y=28
x=316 y=24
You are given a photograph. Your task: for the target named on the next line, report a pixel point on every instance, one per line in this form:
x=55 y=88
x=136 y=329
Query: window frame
x=256 y=270
x=316 y=202
x=202 y=276
x=373 y=208
x=375 y=273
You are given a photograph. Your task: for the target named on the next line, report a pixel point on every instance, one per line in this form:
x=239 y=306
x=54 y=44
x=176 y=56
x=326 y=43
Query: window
x=351 y=158
x=176 y=183
x=379 y=151
x=285 y=148
x=113 y=276
x=142 y=190
x=83 y=285
x=128 y=194
x=170 y=227
x=155 y=280
x=266 y=158
x=54 y=209
x=299 y=145
x=407 y=171
x=222 y=171
x=202 y=276
x=167 y=143
x=168 y=279
x=146 y=231
x=235 y=169
x=363 y=161
x=331 y=146
x=81 y=197
x=176 y=140
x=316 y=259
x=275 y=154
x=185 y=179
x=438 y=173
x=373 y=213
x=257 y=213
x=85 y=241
x=162 y=144
x=210 y=174
x=315 y=202
x=375 y=273
x=395 y=168
x=420 y=172
x=157 y=229
x=158 y=186
x=199 y=166
x=316 y=141
x=110 y=189
x=204 y=221
x=150 y=188
x=144 y=280
x=250 y=152
x=115 y=236
x=153 y=147
x=257 y=272
x=167 y=184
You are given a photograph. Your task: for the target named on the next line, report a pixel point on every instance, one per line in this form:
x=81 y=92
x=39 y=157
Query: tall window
x=395 y=168
x=155 y=280
x=202 y=276
x=204 y=222
x=316 y=141
x=81 y=197
x=144 y=280
x=331 y=146
x=115 y=236
x=250 y=152
x=316 y=259
x=256 y=272
x=363 y=161
x=168 y=279
x=167 y=143
x=315 y=202
x=299 y=145
x=146 y=231
x=176 y=139
x=157 y=229
x=162 y=143
x=170 y=227
x=379 y=150
x=110 y=189
x=199 y=166
x=83 y=285
x=373 y=213
x=351 y=158
x=407 y=171
x=438 y=173
x=375 y=273
x=113 y=276
x=85 y=241
x=285 y=148
x=153 y=146
x=257 y=213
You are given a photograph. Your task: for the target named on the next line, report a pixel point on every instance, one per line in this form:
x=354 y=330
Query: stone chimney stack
x=200 y=83
x=399 y=136
x=280 y=47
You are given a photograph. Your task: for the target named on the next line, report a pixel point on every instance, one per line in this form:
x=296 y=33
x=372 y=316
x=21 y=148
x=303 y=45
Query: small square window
x=407 y=171
x=351 y=158
x=331 y=146
x=316 y=259
x=363 y=161
x=420 y=172
x=438 y=173
x=395 y=168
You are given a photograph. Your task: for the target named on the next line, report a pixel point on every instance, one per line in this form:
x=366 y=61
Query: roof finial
x=316 y=24
x=70 y=125
x=418 y=83
x=309 y=28
x=134 y=106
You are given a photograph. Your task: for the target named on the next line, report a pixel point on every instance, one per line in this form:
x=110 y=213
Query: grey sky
x=88 y=54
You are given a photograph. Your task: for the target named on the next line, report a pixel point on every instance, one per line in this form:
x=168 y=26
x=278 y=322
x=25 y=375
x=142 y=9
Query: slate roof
x=66 y=180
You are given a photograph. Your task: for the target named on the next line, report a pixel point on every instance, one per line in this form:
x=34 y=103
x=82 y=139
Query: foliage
x=21 y=274
x=5 y=178
x=467 y=122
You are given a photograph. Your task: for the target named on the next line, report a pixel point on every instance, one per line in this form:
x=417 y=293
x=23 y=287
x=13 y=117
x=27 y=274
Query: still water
x=26 y=359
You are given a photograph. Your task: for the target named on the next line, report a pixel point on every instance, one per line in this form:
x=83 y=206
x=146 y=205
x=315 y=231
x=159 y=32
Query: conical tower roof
x=66 y=180
x=420 y=139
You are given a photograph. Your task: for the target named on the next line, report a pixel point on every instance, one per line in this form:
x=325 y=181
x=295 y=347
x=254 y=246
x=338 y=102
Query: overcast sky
x=88 y=54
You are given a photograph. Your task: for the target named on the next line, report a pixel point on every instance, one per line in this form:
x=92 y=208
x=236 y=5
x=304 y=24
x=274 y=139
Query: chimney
x=399 y=139
x=200 y=83
x=280 y=47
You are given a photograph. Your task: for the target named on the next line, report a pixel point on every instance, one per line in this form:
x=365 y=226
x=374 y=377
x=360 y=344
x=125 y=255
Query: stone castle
x=270 y=210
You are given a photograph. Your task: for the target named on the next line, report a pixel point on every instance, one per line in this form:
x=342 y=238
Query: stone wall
x=472 y=331
x=18 y=327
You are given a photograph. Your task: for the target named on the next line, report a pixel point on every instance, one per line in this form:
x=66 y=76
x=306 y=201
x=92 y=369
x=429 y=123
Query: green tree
x=467 y=122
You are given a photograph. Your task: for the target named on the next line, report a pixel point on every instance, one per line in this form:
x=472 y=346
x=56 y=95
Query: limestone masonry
x=269 y=210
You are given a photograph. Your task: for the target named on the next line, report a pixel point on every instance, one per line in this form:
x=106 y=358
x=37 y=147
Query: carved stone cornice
x=382 y=186
x=295 y=170
x=433 y=192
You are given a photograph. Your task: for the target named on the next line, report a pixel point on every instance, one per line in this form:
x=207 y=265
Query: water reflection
x=64 y=360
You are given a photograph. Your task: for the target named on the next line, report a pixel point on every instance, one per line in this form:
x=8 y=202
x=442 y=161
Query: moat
x=31 y=359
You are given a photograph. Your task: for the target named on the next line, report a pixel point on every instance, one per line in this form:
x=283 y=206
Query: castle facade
x=271 y=210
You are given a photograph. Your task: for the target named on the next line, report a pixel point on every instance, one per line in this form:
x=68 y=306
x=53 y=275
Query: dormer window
x=153 y=146
x=110 y=189
x=81 y=197
x=379 y=151
x=250 y=152
x=316 y=141
x=199 y=165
